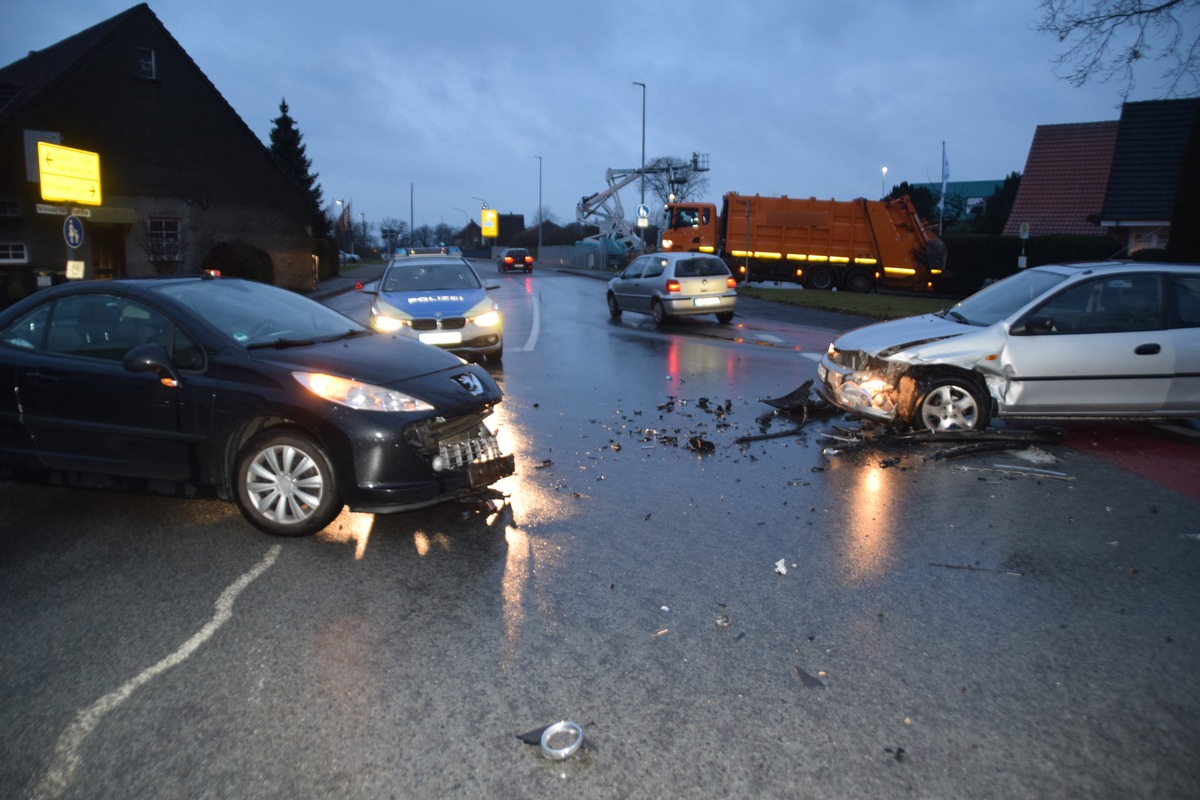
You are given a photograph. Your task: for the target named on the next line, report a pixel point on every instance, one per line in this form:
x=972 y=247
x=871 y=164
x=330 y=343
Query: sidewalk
x=344 y=281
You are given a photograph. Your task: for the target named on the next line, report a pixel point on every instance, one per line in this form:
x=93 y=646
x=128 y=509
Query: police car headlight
x=488 y=319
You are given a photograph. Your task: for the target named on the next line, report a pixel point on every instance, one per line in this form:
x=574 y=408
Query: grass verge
x=876 y=306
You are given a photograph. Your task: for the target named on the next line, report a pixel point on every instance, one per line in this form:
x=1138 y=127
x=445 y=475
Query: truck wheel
x=821 y=278
x=658 y=312
x=860 y=280
x=614 y=308
x=953 y=403
x=284 y=484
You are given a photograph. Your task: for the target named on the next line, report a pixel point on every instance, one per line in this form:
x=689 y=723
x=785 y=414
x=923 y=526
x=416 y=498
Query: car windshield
x=1000 y=300
x=253 y=313
x=429 y=277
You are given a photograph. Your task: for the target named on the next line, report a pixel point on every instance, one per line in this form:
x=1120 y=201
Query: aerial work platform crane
x=604 y=210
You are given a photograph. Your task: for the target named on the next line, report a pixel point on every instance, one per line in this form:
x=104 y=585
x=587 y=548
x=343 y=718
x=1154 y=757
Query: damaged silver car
x=1096 y=340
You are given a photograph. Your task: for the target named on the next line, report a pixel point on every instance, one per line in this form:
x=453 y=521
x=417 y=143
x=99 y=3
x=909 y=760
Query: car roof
x=424 y=250
x=1111 y=267
x=676 y=255
x=427 y=259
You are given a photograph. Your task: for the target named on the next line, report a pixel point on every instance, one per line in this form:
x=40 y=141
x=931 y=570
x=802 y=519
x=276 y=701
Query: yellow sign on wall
x=69 y=175
x=490 y=222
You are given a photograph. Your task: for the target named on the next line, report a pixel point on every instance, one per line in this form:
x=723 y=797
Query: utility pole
x=636 y=83
x=540 y=221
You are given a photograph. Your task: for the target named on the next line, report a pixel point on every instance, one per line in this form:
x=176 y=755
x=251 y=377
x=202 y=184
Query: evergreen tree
x=999 y=206
x=287 y=145
x=923 y=200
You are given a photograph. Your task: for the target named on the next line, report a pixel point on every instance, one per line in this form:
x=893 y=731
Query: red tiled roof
x=1065 y=179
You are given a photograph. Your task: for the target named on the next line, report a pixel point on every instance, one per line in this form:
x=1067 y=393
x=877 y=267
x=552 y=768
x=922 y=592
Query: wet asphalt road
x=939 y=627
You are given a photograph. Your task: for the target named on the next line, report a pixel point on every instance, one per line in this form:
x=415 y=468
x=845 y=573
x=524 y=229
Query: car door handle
x=1147 y=349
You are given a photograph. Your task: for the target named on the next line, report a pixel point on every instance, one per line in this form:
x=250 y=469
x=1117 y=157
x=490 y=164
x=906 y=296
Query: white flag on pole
x=945 y=177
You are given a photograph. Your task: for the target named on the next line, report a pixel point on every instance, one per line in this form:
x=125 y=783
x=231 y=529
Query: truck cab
x=691 y=227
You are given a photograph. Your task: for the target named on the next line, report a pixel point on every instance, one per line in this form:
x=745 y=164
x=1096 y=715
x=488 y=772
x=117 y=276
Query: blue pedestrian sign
x=643 y=211
x=73 y=231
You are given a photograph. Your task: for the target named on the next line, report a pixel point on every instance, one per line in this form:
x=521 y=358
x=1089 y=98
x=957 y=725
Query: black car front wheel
x=285 y=484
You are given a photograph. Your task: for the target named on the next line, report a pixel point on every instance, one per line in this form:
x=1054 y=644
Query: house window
x=145 y=63
x=165 y=241
x=10 y=208
x=13 y=253
x=1145 y=240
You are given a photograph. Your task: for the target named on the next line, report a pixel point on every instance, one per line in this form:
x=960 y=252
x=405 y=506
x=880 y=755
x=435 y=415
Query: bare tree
x=393 y=232
x=1104 y=39
x=678 y=178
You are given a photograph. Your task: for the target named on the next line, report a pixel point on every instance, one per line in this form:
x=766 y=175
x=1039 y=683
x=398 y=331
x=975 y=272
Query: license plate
x=489 y=472
x=707 y=301
x=441 y=337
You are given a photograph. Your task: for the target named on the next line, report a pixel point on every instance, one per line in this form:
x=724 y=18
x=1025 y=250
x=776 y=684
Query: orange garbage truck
x=852 y=245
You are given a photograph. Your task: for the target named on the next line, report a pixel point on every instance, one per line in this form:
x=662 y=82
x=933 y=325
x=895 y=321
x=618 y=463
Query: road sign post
x=69 y=175
x=73 y=232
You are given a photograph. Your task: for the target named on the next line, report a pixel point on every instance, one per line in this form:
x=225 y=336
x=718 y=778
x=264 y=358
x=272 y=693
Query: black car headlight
x=359 y=395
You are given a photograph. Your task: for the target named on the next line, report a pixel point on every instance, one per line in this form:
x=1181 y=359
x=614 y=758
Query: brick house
x=180 y=171
x=1146 y=174
x=1116 y=178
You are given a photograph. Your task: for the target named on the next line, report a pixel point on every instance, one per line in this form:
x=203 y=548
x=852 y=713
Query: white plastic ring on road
x=559 y=753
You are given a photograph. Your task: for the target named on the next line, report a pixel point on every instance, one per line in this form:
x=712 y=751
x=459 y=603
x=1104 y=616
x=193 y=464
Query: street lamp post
x=343 y=225
x=466 y=222
x=636 y=83
x=482 y=205
x=540 y=221
x=883 y=184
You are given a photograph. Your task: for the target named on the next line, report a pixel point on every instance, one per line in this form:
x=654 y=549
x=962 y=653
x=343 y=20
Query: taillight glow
x=672 y=286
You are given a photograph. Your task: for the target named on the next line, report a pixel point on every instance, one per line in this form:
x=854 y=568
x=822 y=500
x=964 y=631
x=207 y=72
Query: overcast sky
x=456 y=99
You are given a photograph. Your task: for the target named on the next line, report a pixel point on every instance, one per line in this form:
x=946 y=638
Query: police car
x=439 y=300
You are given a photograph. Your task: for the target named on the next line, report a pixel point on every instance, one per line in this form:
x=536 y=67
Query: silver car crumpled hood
x=885 y=339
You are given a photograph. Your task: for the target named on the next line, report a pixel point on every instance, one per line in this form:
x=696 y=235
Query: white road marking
x=58 y=775
x=812 y=356
x=531 y=342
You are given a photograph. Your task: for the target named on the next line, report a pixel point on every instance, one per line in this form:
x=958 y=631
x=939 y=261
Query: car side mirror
x=1038 y=323
x=151 y=358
